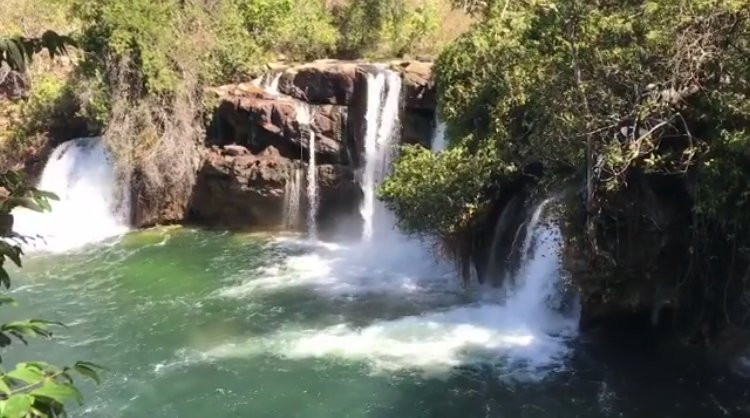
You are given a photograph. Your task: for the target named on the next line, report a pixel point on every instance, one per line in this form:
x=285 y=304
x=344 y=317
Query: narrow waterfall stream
x=92 y=205
x=270 y=82
x=439 y=142
x=305 y=119
x=292 y=193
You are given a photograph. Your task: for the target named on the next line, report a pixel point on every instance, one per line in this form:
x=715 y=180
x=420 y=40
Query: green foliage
x=140 y=31
x=215 y=41
x=52 y=110
x=644 y=86
x=442 y=194
x=300 y=29
x=38 y=389
x=384 y=27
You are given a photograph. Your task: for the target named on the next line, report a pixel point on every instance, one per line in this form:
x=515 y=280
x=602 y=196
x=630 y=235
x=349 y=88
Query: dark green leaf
x=11 y=251
x=58 y=392
x=88 y=370
x=5 y=282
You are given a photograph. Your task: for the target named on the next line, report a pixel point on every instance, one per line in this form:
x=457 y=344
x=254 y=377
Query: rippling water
x=210 y=324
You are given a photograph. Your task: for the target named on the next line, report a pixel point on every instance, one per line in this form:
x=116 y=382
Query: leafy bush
x=50 y=112
x=384 y=28
x=442 y=194
x=299 y=29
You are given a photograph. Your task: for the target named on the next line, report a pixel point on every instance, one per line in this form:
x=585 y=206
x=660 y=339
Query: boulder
x=14 y=85
x=241 y=190
x=257 y=120
x=322 y=82
x=420 y=90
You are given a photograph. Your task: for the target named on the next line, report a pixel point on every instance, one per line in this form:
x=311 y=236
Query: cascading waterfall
x=269 y=82
x=305 y=119
x=537 y=292
x=519 y=331
x=382 y=116
x=532 y=226
x=92 y=206
x=292 y=192
x=439 y=142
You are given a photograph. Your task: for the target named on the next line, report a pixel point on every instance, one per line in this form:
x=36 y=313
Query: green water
x=176 y=318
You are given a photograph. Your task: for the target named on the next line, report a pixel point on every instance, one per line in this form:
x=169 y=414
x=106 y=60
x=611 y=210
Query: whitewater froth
x=518 y=331
x=92 y=204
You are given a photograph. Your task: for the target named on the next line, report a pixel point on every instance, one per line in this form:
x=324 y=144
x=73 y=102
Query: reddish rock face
x=419 y=85
x=240 y=190
x=327 y=82
x=256 y=141
x=258 y=121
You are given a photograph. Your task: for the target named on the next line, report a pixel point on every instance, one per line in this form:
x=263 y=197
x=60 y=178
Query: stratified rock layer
x=258 y=137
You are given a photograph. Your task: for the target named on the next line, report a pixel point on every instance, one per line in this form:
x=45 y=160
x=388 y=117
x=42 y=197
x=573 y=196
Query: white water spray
x=439 y=142
x=305 y=119
x=312 y=190
x=92 y=207
x=382 y=118
x=292 y=192
x=532 y=226
x=517 y=331
x=269 y=82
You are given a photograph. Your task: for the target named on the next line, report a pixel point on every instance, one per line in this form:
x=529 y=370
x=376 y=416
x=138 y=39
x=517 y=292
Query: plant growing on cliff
x=552 y=82
x=442 y=193
x=33 y=388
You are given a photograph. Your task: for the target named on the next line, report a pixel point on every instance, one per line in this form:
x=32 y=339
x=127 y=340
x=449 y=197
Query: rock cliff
x=260 y=133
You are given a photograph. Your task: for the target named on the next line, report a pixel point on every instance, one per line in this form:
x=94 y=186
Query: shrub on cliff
x=442 y=193
x=555 y=81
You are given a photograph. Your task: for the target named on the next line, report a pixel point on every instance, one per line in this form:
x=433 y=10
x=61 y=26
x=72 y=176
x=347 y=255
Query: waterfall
x=269 y=82
x=536 y=217
x=521 y=330
x=292 y=192
x=92 y=207
x=312 y=190
x=305 y=119
x=382 y=121
x=439 y=142
x=537 y=295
